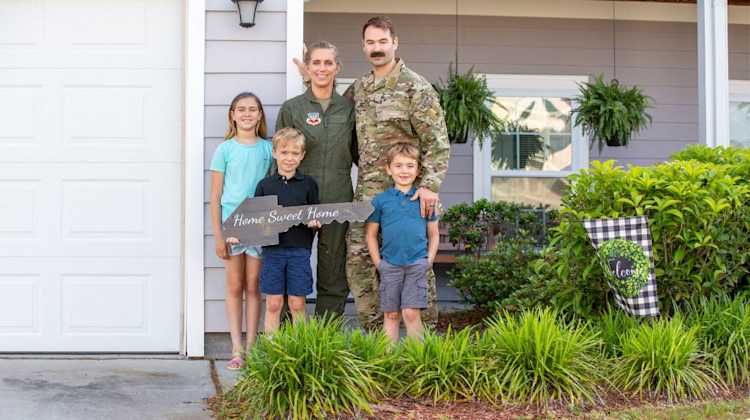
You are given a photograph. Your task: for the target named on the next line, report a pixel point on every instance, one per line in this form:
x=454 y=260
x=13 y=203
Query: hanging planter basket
x=615 y=142
x=467 y=104
x=611 y=114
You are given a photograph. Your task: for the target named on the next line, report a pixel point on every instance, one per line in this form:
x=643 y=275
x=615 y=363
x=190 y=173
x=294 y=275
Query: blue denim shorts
x=286 y=271
x=237 y=249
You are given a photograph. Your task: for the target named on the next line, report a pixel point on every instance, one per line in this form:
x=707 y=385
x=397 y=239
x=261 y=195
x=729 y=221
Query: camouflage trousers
x=364 y=283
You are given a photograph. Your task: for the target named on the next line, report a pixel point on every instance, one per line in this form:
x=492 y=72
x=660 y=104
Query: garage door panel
x=105 y=303
x=90 y=210
x=126 y=116
x=93 y=34
x=21 y=23
x=20 y=107
x=19 y=208
x=19 y=303
x=102 y=304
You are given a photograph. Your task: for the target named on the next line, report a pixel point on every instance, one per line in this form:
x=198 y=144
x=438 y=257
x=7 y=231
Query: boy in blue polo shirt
x=410 y=244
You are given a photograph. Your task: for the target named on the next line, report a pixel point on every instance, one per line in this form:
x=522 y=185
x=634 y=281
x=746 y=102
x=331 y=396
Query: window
x=529 y=161
x=739 y=113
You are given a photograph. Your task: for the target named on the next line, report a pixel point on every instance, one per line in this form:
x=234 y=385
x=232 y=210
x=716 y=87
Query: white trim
x=295 y=24
x=195 y=41
x=713 y=72
x=528 y=85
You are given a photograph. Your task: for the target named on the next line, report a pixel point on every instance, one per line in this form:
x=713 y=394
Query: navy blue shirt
x=299 y=190
x=403 y=227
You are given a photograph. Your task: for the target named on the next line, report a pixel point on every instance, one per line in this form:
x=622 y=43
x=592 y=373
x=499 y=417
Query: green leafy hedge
x=700 y=225
x=489 y=280
x=471 y=225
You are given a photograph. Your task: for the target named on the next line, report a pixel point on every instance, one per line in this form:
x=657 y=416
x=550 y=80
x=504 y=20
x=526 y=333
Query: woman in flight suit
x=327 y=120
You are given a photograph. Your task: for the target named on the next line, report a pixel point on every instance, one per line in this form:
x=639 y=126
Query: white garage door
x=90 y=160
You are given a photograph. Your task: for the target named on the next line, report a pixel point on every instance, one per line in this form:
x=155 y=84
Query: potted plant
x=467 y=104
x=611 y=113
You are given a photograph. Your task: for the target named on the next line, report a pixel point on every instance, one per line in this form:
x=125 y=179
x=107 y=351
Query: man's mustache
x=377 y=54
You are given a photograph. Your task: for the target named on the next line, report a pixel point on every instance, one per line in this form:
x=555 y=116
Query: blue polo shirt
x=403 y=228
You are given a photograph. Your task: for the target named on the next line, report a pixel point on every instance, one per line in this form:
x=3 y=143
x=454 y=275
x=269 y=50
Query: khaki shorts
x=403 y=286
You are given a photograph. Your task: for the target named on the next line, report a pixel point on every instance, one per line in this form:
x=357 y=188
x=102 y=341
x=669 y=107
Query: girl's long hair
x=261 y=130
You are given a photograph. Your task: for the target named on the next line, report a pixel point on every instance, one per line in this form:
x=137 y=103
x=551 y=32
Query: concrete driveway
x=111 y=389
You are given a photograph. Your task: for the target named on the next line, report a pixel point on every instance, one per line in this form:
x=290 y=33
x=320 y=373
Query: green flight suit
x=330 y=151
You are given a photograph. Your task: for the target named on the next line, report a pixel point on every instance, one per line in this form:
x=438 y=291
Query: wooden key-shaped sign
x=258 y=221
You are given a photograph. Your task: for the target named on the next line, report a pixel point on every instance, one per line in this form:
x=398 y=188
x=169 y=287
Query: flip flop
x=236 y=362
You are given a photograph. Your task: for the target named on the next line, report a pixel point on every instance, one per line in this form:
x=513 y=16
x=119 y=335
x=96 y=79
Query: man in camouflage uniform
x=393 y=104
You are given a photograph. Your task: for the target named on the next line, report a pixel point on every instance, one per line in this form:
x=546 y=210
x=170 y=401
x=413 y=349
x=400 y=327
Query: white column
x=195 y=55
x=713 y=72
x=295 y=24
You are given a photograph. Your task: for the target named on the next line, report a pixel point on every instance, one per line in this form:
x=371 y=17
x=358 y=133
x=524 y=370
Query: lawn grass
x=716 y=409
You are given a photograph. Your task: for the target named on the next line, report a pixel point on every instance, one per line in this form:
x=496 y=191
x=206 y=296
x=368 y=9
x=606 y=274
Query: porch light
x=246 y=9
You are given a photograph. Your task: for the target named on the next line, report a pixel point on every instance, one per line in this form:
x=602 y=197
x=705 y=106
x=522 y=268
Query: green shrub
x=307 y=370
x=700 y=226
x=724 y=330
x=487 y=281
x=471 y=225
x=612 y=326
x=719 y=155
x=663 y=359
x=441 y=367
x=538 y=357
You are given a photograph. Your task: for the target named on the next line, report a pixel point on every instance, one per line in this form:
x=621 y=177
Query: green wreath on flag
x=625 y=265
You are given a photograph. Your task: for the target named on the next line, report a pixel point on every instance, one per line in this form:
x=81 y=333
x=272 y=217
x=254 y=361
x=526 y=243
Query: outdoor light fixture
x=246 y=9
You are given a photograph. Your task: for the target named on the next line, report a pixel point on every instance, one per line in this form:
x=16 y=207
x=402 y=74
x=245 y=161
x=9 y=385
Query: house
x=111 y=110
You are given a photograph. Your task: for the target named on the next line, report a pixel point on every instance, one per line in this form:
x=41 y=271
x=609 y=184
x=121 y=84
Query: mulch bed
x=459 y=320
x=410 y=409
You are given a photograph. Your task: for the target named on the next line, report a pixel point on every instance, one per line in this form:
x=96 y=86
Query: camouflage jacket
x=401 y=107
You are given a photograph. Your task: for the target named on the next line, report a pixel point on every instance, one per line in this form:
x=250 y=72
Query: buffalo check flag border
x=634 y=229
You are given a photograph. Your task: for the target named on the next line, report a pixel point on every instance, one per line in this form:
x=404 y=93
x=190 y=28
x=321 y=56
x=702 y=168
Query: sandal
x=236 y=362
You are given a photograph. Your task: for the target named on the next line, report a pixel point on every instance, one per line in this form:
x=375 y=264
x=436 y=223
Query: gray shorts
x=403 y=286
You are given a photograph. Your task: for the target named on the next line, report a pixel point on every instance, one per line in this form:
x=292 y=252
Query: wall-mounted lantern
x=246 y=9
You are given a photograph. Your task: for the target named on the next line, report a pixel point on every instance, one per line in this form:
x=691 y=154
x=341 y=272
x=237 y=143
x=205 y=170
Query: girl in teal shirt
x=238 y=164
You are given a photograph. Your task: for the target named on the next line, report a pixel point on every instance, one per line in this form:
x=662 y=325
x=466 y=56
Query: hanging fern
x=467 y=103
x=611 y=114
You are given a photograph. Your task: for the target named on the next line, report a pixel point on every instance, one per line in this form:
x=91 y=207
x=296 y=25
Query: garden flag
x=623 y=247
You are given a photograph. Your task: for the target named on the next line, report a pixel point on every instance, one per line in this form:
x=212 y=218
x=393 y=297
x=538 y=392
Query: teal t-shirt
x=243 y=167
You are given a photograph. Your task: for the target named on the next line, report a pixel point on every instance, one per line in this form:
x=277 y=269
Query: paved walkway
x=110 y=389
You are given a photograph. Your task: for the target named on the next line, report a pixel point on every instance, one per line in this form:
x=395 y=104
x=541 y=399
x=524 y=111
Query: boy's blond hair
x=406 y=149
x=286 y=135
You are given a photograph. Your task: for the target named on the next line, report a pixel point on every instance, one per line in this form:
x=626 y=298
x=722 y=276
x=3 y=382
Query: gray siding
x=237 y=60
x=661 y=57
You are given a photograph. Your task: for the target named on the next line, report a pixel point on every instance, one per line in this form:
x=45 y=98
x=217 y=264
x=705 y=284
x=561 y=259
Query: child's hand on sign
x=232 y=240
x=314 y=224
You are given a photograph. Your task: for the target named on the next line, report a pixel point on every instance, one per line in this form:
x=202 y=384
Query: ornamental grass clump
x=724 y=331
x=612 y=327
x=538 y=358
x=663 y=359
x=306 y=370
x=440 y=367
x=376 y=349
